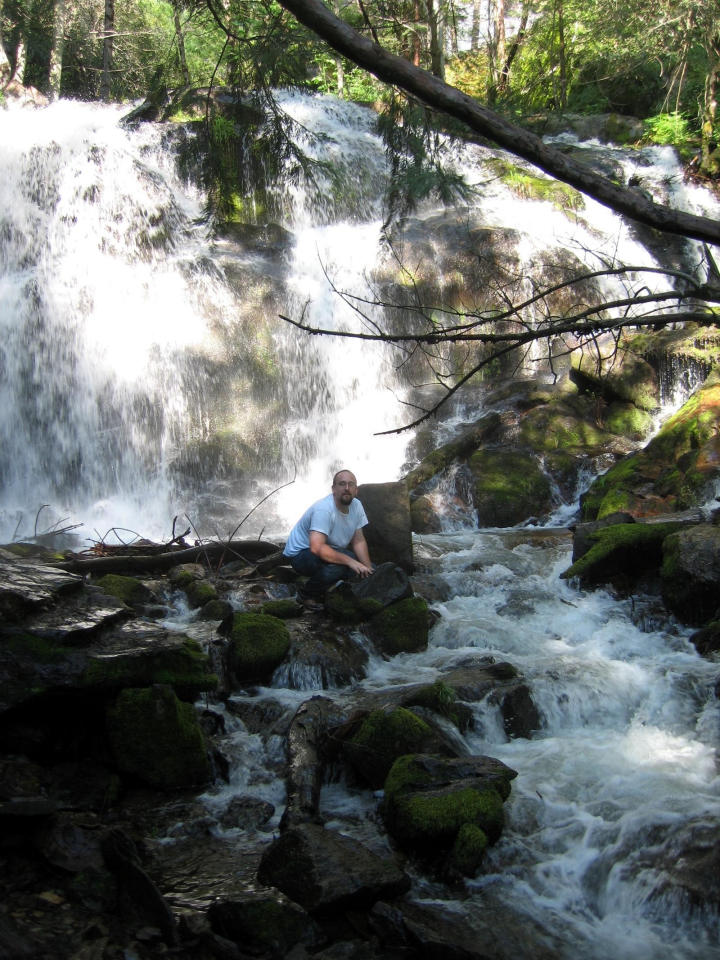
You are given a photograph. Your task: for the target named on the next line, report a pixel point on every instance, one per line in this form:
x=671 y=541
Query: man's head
x=344 y=488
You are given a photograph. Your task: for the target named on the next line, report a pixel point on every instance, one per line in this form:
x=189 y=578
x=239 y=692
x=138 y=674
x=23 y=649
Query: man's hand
x=358 y=568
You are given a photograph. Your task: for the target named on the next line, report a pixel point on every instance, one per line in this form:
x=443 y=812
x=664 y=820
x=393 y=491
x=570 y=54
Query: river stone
x=262 y=924
x=326 y=872
x=352 y=601
x=446 y=810
x=28 y=586
x=388 y=533
x=690 y=573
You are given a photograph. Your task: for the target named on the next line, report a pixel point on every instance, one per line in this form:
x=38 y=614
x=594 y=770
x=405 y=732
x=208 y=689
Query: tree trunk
x=446 y=99
x=710 y=150
x=434 y=17
x=180 y=40
x=517 y=42
x=108 y=42
x=58 y=46
x=475 y=30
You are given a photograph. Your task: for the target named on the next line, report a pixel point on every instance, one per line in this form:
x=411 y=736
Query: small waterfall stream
x=116 y=328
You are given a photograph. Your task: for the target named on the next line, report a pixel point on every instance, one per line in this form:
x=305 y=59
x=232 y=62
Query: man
x=327 y=543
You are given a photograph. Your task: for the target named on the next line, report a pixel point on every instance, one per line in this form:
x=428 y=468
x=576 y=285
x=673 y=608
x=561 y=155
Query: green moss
x=442 y=699
x=468 y=850
x=622 y=548
x=157 y=738
x=626 y=420
x=510 y=486
x=184 y=667
x=436 y=817
x=382 y=738
x=531 y=187
x=128 y=589
x=258 y=644
x=345 y=607
x=402 y=627
x=200 y=592
x=39 y=649
x=283 y=609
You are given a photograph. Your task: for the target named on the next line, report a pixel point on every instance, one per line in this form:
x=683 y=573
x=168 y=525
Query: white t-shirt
x=325 y=517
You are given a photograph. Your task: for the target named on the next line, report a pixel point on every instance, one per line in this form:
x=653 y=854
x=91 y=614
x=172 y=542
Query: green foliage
x=417 y=153
x=669 y=128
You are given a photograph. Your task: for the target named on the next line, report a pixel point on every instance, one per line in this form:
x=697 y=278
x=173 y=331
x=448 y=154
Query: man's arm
x=321 y=548
x=360 y=548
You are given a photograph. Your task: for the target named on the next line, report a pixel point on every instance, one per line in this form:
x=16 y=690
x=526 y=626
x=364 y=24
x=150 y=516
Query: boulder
x=509 y=487
x=403 y=627
x=326 y=872
x=447 y=810
x=622 y=550
x=385 y=735
x=257 y=645
x=352 y=601
x=690 y=574
x=388 y=533
x=262 y=925
x=673 y=472
x=158 y=739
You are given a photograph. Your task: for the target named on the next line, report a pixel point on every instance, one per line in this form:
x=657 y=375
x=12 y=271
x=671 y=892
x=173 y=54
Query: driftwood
x=258 y=554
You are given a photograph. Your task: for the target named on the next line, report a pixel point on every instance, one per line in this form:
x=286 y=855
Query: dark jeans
x=320 y=574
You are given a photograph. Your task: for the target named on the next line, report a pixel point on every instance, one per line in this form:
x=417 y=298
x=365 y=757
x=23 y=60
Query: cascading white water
x=126 y=345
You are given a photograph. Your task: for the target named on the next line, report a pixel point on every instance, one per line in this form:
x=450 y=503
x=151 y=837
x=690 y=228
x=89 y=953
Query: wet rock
x=691 y=573
x=402 y=627
x=383 y=736
x=326 y=872
x=158 y=739
x=306 y=742
x=322 y=658
x=707 y=640
x=389 y=533
x=447 y=810
x=247 y=813
x=502 y=684
x=257 y=645
x=28 y=586
x=583 y=532
x=622 y=552
x=265 y=925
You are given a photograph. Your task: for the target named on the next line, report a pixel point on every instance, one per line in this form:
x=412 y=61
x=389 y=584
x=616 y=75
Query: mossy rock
x=446 y=809
x=156 y=737
x=264 y=925
x=673 y=472
x=199 y=593
x=178 y=662
x=258 y=644
x=344 y=607
x=624 y=376
x=402 y=627
x=285 y=609
x=216 y=610
x=468 y=850
x=622 y=549
x=509 y=487
x=128 y=589
x=442 y=699
x=627 y=420
x=382 y=738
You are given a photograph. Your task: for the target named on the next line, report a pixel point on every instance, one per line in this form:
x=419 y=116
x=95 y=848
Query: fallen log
x=249 y=551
